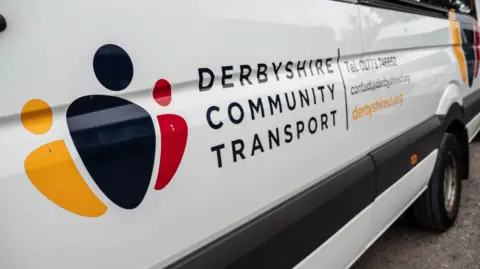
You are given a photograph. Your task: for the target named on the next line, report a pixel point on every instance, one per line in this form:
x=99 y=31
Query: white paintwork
x=352 y=240
x=47 y=53
x=450 y=96
x=473 y=127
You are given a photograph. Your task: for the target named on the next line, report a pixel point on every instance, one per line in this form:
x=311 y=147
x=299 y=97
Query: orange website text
x=368 y=110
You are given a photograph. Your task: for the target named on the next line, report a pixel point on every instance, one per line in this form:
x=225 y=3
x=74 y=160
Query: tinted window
x=463 y=6
x=460 y=6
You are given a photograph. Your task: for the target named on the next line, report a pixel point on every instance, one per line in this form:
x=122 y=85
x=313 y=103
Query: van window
x=435 y=8
x=436 y=3
x=460 y=6
x=463 y=6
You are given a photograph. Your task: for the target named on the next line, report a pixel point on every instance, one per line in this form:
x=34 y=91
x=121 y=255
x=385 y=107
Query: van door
x=408 y=44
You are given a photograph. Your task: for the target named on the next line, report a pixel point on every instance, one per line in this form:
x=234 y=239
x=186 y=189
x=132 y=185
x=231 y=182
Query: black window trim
x=409 y=6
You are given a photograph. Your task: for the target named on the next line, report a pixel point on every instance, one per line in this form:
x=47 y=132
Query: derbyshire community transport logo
x=114 y=138
x=468 y=52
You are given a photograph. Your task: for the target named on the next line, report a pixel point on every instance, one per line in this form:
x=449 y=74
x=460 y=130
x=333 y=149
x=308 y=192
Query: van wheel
x=437 y=208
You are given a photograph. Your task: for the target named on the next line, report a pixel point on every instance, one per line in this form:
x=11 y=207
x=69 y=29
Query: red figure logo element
x=174 y=134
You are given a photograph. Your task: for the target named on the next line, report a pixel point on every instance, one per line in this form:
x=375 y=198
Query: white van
x=229 y=134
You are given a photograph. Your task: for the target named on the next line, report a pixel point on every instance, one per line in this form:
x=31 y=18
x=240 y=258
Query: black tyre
x=437 y=208
x=407 y=219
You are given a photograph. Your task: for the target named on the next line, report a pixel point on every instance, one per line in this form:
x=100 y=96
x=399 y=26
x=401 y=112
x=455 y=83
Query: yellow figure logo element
x=51 y=169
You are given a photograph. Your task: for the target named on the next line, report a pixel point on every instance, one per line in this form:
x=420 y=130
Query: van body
x=229 y=134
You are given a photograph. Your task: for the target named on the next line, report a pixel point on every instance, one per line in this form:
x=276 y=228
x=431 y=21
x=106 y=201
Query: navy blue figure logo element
x=115 y=138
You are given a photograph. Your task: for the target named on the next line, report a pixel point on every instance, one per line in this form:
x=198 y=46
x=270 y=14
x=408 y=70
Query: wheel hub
x=450 y=184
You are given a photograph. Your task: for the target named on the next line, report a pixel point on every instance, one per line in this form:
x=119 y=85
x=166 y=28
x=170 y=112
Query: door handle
x=3 y=23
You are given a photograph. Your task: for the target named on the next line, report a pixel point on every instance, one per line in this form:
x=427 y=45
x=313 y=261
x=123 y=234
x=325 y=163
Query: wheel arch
x=454 y=123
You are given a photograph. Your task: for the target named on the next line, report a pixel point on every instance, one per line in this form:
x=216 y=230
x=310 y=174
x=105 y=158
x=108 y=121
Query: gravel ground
x=459 y=248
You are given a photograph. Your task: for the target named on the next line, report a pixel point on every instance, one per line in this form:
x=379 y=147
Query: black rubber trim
x=455 y=113
x=454 y=122
x=393 y=159
x=339 y=200
x=471 y=105
x=288 y=233
x=408 y=6
x=295 y=228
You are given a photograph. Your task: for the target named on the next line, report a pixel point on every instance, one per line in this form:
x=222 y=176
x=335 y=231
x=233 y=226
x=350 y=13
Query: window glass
x=463 y=6
x=437 y=3
x=460 y=6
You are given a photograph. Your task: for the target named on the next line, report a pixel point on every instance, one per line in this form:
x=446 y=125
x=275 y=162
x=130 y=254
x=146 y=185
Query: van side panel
x=422 y=46
x=392 y=94
x=418 y=48
x=163 y=133
x=179 y=120
x=291 y=231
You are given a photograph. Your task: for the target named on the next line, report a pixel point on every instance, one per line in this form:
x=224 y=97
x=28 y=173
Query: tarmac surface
x=459 y=248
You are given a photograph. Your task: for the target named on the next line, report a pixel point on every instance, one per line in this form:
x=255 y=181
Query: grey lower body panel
x=289 y=232
x=471 y=105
